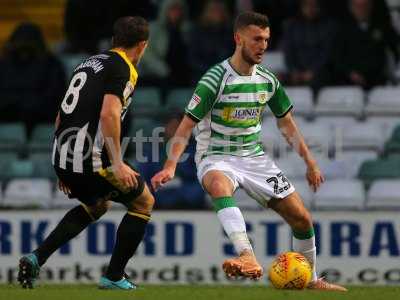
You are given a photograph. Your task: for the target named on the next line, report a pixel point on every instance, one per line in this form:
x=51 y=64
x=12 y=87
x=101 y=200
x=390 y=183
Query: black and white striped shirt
x=79 y=143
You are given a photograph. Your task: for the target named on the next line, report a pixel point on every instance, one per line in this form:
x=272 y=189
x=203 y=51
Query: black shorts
x=101 y=185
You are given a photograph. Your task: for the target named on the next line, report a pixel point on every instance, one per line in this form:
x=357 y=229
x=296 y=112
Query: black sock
x=69 y=227
x=129 y=235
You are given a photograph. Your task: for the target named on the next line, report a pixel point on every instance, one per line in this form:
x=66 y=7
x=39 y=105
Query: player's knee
x=217 y=188
x=143 y=204
x=302 y=222
x=99 y=209
x=147 y=206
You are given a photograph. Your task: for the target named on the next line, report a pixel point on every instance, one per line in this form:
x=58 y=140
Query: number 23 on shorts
x=280 y=183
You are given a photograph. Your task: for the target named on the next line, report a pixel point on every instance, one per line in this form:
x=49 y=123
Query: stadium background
x=340 y=67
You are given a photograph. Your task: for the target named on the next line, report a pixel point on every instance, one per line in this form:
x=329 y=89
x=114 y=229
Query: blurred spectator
x=360 y=47
x=244 y=5
x=85 y=24
x=339 y=9
x=144 y=8
x=307 y=44
x=32 y=80
x=195 y=7
x=278 y=11
x=211 y=38
x=165 y=62
x=183 y=191
x=88 y=23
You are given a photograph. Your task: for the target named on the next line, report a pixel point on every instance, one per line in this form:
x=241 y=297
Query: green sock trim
x=304 y=235
x=223 y=202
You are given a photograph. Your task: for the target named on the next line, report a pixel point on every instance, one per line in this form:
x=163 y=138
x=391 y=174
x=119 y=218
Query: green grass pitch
x=174 y=292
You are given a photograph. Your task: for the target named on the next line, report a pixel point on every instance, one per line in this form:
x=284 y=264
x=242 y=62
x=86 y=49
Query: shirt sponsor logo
x=194 y=101
x=230 y=113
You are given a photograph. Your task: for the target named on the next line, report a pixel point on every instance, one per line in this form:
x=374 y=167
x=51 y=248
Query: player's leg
x=221 y=189
x=73 y=223
x=129 y=235
x=292 y=210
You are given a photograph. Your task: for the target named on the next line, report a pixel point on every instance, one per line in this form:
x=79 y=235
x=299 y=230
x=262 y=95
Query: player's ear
x=141 y=48
x=143 y=45
x=238 y=39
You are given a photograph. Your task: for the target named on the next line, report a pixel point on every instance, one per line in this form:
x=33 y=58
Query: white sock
x=232 y=220
x=308 y=249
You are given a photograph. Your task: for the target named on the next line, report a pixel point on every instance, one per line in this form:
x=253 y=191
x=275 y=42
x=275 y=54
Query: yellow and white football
x=290 y=270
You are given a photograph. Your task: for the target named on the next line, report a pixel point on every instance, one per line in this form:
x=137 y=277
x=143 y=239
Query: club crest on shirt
x=194 y=101
x=262 y=97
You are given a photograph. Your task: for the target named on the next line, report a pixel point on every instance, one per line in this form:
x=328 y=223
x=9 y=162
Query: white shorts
x=258 y=176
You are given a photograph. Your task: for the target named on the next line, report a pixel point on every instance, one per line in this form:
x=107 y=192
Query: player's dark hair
x=250 y=18
x=129 y=31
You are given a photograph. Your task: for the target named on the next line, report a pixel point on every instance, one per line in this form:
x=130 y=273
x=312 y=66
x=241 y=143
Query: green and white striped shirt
x=228 y=109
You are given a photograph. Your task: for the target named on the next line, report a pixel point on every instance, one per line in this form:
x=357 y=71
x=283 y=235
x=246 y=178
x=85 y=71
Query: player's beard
x=247 y=57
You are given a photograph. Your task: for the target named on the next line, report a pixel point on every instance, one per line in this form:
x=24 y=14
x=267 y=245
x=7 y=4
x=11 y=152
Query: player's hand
x=126 y=175
x=63 y=188
x=314 y=177
x=161 y=178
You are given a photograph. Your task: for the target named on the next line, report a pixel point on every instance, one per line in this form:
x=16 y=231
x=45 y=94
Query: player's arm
x=179 y=142
x=281 y=107
x=57 y=121
x=200 y=104
x=291 y=132
x=178 y=146
x=61 y=186
x=110 y=118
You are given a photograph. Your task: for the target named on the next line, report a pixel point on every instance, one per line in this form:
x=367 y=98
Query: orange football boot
x=244 y=265
x=321 y=284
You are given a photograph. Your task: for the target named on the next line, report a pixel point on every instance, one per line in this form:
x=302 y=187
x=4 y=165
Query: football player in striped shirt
x=226 y=110
x=87 y=155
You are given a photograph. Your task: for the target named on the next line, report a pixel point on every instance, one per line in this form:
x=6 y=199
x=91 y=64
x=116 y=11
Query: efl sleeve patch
x=194 y=101
x=201 y=102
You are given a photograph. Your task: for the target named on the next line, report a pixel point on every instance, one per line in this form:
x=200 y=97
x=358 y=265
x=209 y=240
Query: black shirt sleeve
x=117 y=78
